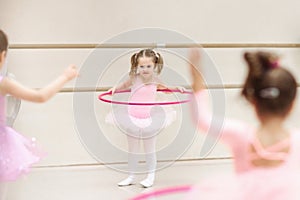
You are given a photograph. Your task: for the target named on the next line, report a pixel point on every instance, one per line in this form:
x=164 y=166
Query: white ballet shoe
x=126 y=182
x=148 y=182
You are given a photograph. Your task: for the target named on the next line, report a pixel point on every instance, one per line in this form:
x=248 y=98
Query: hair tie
x=275 y=64
x=269 y=93
x=156 y=54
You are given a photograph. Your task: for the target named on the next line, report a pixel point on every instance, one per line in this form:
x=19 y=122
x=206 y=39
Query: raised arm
x=9 y=86
x=196 y=69
x=201 y=115
x=217 y=126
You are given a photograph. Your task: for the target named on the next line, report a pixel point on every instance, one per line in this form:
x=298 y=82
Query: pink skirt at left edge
x=17 y=154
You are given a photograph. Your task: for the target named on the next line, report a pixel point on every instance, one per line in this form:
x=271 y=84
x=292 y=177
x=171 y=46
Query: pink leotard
x=142 y=93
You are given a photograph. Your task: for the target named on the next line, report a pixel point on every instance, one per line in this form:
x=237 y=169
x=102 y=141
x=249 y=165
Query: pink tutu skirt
x=158 y=119
x=263 y=184
x=17 y=154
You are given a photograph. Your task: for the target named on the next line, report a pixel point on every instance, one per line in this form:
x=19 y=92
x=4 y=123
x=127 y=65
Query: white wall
x=92 y=22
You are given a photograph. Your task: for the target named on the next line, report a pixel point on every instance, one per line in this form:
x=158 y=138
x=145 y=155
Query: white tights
x=133 y=150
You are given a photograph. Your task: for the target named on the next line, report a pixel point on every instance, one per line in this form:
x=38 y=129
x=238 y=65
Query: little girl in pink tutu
x=140 y=122
x=18 y=153
x=266 y=158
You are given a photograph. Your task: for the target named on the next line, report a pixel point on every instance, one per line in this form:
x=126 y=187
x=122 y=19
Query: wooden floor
x=100 y=182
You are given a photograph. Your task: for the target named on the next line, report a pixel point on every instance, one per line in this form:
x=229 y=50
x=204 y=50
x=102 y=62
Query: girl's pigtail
x=159 y=63
x=133 y=68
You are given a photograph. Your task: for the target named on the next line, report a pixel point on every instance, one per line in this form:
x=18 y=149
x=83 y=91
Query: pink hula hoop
x=101 y=97
x=161 y=192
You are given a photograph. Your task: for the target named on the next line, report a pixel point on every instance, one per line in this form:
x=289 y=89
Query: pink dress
x=249 y=182
x=17 y=153
x=133 y=118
